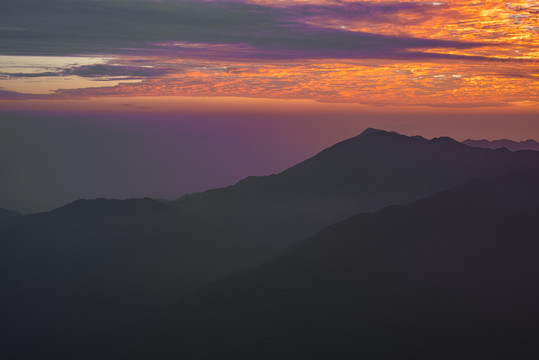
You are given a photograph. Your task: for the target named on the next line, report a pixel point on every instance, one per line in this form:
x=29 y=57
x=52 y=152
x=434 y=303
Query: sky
x=130 y=98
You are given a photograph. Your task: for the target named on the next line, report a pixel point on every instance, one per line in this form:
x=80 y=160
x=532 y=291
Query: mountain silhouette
x=453 y=276
x=94 y=265
x=90 y=266
x=504 y=143
x=365 y=173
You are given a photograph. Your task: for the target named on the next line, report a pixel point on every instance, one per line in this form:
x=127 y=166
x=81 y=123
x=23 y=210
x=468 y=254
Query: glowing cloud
x=450 y=53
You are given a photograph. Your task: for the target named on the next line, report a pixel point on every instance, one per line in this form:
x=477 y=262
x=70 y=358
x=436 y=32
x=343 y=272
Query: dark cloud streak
x=100 y=71
x=68 y=27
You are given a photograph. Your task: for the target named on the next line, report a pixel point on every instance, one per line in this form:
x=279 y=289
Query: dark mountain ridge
x=512 y=145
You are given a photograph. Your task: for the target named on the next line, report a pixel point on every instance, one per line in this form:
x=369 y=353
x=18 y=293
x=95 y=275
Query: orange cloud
x=464 y=83
x=500 y=70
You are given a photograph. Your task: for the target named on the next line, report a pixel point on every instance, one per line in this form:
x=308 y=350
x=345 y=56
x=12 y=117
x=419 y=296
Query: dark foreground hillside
x=453 y=276
x=93 y=266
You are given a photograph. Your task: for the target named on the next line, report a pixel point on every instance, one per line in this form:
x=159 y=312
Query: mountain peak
x=445 y=139
x=370 y=130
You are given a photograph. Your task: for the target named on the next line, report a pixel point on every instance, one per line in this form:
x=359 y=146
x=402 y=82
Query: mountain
x=95 y=265
x=504 y=143
x=453 y=276
x=91 y=266
x=6 y=214
x=364 y=173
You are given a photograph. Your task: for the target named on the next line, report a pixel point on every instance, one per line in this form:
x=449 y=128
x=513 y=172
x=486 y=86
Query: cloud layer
x=453 y=53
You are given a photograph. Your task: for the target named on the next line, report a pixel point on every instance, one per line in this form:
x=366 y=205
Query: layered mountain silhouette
x=453 y=276
x=504 y=143
x=364 y=173
x=95 y=265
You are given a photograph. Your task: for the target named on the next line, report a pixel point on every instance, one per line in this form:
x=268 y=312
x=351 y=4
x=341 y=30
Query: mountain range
x=452 y=276
x=504 y=143
x=93 y=268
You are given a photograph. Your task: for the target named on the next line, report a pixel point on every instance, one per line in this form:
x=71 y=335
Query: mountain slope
x=364 y=173
x=6 y=214
x=93 y=266
x=509 y=144
x=451 y=276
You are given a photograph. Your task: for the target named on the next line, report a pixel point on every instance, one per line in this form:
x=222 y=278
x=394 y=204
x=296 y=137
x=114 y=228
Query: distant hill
x=453 y=276
x=5 y=214
x=91 y=266
x=95 y=265
x=509 y=144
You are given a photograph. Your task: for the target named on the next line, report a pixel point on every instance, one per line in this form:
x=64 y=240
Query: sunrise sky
x=171 y=96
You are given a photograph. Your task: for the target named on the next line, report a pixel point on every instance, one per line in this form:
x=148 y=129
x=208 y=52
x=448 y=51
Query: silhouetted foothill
x=6 y=214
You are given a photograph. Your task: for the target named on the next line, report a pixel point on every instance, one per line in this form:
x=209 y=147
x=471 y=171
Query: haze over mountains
x=93 y=267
